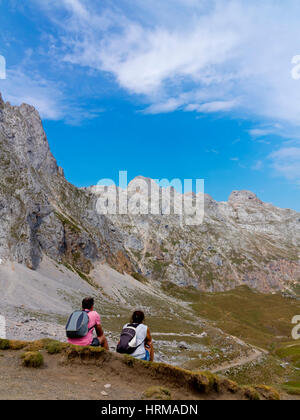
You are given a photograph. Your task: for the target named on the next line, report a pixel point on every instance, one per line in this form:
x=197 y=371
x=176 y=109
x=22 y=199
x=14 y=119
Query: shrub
x=139 y=277
x=4 y=344
x=17 y=345
x=33 y=359
x=251 y=393
x=292 y=388
x=157 y=393
x=12 y=344
x=54 y=347
x=267 y=392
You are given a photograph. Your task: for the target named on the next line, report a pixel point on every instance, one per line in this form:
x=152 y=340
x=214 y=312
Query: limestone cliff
x=242 y=241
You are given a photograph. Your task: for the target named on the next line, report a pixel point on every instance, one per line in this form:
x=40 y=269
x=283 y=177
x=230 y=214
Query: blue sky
x=164 y=89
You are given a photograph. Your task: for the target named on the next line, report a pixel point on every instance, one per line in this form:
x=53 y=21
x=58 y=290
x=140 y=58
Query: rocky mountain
x=40 y=212
x=240 y=242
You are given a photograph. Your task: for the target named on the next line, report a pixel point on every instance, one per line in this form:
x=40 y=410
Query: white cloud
x=215 y=106
x=46 y=96
x=258 y=166
x=261 y=132
x=163 y=107
x=286 y=163
x=170 y=51
x=19 y=88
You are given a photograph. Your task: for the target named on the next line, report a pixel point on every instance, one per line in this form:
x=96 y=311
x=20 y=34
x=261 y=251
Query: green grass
x=292 y=387
x=32 y=359
x=159 y=267
x=4 y=344
x=268 y=371
x=254 y=317
x=84 y=276
x=157 y=393
x=67 y=222
x=139 y=277
x=55 y=347
x=290 y=353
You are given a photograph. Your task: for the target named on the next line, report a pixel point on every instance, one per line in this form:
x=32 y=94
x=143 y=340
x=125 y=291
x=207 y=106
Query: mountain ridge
x=241 y=242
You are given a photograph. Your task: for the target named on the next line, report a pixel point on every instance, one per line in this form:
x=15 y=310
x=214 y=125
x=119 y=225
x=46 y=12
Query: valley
x=218 y=297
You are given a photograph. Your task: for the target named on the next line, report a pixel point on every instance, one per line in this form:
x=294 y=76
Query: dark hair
x=137 y=317
x=88 y=303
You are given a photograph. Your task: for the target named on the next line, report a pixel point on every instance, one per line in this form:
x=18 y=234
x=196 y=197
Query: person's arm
x=149 y=345
x=148 y=340
x=101 y=337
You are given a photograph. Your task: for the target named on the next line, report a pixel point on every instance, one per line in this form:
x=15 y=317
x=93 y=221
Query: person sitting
x=80 y=327
x=136 y=338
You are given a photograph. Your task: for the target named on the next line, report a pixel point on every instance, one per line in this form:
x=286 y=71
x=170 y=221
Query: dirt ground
x=58 y=380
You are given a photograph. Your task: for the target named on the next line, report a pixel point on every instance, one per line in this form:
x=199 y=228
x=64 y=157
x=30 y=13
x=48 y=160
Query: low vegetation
x=157 y=393
x=292 y=387
x=32 y=359
x=259 y=319
x=12 y=345
x=55 y=347
x=139 y=277
x=290 y=353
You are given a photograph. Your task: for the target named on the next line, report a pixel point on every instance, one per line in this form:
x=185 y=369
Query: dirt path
x=256 y=354
x=179 y=335
x=240 y=361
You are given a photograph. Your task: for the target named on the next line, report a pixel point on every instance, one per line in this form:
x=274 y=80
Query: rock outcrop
x=40 y=212
x=242 y=241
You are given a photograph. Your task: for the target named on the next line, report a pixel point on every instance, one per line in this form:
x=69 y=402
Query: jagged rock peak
x=1 y=101
x=25 y=134
x=243 y=197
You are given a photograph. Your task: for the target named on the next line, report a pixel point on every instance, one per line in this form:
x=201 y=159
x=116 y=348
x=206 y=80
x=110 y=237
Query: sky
x=169 y=89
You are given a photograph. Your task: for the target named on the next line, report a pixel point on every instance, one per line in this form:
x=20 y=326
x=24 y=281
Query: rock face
x=242 y=241
x=40 y=212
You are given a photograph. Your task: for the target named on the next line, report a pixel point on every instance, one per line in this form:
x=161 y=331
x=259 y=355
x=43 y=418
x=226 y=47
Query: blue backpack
x=77 y=325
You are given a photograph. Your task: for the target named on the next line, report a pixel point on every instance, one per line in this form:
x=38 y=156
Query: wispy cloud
x=163 y=107
x=258 y=165
x=46 y=96
x=286 y=163
x=214 y=106
x=262 y=132
x=236 y=52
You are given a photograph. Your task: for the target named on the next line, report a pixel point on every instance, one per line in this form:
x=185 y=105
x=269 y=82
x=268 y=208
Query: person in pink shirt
x=94 y=324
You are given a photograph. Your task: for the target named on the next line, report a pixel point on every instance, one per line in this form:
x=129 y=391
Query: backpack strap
x=87 y=312
x=92 y=327
x=135 y=326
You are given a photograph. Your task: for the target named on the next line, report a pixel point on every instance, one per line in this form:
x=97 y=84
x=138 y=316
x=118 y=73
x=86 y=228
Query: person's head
x=88 y=303
x=138 y=317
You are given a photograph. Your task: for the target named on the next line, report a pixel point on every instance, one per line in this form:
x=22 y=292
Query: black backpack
x=127 y=343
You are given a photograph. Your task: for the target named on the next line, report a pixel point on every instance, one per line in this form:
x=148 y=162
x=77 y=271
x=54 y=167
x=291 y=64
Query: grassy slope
x=259 y=319
x=290 y=353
